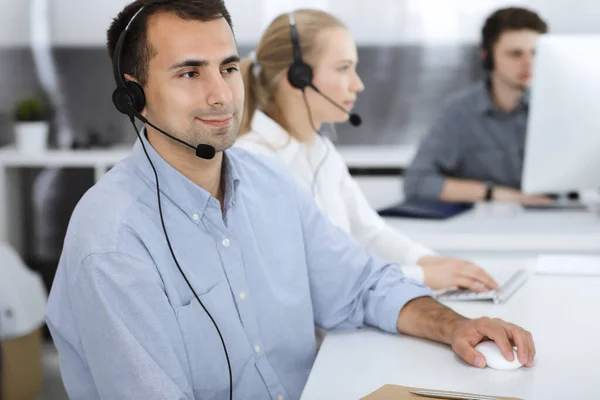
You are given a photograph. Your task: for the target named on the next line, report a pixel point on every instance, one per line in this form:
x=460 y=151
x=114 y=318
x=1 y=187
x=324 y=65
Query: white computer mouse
x=494 y=357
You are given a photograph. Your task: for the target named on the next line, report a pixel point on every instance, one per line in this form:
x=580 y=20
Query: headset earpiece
x=300 y=75
x=488 y=59
x=129 y=98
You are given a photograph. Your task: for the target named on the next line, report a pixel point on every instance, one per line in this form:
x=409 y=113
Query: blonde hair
x=274 y=55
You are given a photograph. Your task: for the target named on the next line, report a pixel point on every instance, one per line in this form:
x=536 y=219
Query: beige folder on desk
x=393 y=392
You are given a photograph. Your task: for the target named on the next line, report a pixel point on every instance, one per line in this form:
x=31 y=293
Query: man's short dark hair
x=137 y=51
x=509 y=19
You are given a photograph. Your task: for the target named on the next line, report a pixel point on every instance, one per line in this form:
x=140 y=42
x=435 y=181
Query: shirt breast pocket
x=208 y=365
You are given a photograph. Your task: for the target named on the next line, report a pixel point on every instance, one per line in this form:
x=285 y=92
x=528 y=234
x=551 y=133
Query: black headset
x=300 y=74
x=130 y=100
x=488 y=59
x=128 y=97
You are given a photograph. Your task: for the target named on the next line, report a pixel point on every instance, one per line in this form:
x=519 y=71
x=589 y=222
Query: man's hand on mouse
x=445 y=272
x=469 y=333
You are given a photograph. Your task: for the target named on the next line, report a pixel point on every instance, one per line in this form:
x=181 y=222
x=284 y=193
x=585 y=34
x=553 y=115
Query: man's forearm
x=426 y=318
x=463 y=190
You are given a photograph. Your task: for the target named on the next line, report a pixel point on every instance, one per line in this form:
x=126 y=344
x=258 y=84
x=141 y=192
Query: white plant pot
x=32 y=137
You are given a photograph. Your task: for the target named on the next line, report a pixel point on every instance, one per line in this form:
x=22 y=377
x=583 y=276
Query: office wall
x=413 y=53
x=83 y=22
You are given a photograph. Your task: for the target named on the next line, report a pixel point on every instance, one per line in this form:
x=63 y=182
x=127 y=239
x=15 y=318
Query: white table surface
x=394 y=156
x=508 y=229
x=560 y=313
x=10 y=157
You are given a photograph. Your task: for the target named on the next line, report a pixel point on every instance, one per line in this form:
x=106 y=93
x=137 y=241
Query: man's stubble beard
x=220 y=138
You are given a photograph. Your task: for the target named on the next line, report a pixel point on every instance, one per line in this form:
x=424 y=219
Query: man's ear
x=129 y=77
x=483 y=53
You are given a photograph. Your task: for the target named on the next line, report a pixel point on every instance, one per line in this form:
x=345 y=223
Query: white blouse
x=335 y=191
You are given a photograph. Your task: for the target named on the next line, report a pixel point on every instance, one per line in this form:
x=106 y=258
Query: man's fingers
x=537 y=200
x=520 y=339
x=544 y=200
x=498 y=334
x=530 y=348
x=532 y=351
x=465 y=351
x=479 y=274
x=502 y=333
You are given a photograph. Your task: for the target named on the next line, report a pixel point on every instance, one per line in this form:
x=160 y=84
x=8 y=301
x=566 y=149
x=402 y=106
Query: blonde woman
x=282 y=121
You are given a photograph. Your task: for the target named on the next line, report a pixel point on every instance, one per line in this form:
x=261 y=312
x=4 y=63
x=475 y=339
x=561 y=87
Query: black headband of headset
x=295 y=39
x=118 y=53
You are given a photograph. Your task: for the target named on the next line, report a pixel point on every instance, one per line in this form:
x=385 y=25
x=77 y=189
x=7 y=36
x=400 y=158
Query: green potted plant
x=31 y=125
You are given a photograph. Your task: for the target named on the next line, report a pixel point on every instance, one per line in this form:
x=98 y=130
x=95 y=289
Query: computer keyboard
x=509 y=278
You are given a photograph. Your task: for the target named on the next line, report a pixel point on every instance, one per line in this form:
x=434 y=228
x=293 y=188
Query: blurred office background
x=413 y=54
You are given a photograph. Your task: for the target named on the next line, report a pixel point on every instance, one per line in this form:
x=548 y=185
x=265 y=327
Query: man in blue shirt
x=260 y=256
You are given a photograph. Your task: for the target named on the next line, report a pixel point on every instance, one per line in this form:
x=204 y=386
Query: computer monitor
x=562 y=151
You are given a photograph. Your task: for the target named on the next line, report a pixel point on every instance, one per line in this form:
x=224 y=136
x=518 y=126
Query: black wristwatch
x=489 y=191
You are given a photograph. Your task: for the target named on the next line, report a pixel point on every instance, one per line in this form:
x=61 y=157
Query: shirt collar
x=525 y=98
x=232 y=179
x=484 y=101
x=185 y=194
x=274 y=136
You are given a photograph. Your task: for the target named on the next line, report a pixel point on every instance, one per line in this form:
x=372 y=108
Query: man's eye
x=189 y=74
x=230 y=70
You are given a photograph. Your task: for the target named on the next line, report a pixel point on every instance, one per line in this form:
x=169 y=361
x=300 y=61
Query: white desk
x=399 y=156
x=560 y=313
x=522 y=232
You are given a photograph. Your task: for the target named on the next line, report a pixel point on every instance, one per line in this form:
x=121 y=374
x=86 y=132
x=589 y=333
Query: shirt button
x=242 y=295
x=226 y=242
x=195 y=217
x=257 y=349
x=280 y=398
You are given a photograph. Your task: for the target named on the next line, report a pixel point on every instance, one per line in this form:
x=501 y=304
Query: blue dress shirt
x=267 y=267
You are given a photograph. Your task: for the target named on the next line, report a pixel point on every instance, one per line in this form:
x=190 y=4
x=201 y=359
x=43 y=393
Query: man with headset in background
x=181 y=270
x=475 y=149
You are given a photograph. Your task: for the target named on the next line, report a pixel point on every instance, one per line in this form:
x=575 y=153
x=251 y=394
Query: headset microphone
x=355 y=119
x=130 y=100
x=204 y=151
x=300 y=74
x=129 y=97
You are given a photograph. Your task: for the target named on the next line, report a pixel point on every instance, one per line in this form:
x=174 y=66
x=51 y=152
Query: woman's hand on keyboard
x=445 y=272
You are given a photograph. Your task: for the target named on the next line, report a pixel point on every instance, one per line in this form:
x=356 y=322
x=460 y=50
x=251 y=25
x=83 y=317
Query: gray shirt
x=471 y=139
